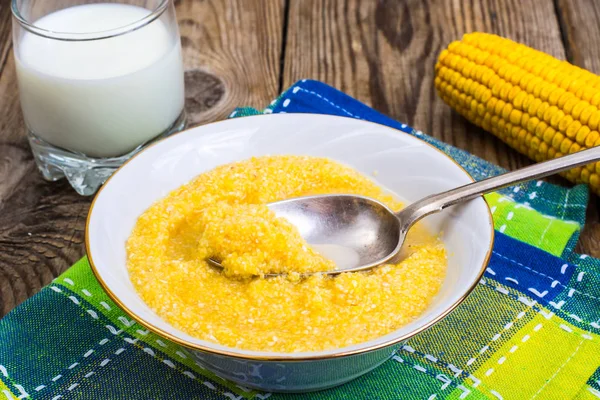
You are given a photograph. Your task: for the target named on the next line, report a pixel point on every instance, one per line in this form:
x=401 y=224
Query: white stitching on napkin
x=326 y=100
x=545 y=276
x=532 y=303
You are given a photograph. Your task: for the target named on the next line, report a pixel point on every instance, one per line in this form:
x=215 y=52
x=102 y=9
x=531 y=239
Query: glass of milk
x=98 y=81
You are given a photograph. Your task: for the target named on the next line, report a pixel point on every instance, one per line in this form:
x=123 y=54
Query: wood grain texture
x=232 y=57
x=384 y=52
x=580 y=26
x=238 y=43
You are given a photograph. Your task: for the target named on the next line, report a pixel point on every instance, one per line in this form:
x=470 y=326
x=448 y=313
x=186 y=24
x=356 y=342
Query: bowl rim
x=288 y=357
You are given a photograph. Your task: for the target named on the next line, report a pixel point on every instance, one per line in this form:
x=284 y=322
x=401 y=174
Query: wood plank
x=5 y=31
x=232 y=53
x=232 y=57
x=580 y=23
x=383 y=53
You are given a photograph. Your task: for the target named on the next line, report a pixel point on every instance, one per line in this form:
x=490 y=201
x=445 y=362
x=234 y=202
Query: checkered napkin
x=531 y=328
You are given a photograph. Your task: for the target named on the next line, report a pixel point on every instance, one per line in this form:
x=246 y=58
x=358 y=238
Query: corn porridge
x=222 y=214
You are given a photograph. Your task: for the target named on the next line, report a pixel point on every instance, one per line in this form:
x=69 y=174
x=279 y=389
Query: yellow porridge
x=222 y=214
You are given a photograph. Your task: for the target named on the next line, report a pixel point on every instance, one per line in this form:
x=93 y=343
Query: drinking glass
x=98 y=81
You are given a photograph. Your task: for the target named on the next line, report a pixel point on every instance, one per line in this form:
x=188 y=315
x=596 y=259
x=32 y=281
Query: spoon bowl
x=356 y=232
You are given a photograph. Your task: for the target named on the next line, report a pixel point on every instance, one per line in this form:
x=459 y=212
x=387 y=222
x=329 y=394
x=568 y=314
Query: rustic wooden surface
x=244 y=52
x=581 y=35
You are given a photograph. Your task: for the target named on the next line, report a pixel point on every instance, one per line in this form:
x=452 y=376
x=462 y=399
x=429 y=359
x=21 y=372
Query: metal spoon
x=360 y=233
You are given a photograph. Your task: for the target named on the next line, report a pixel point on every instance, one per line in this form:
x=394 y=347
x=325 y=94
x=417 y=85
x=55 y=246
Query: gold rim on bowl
x=284 y=356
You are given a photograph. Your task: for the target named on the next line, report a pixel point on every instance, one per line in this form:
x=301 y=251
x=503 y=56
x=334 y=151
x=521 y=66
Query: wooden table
x=245 y=52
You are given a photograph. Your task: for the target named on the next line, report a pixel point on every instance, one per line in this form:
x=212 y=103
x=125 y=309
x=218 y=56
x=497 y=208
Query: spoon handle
x=438 y=202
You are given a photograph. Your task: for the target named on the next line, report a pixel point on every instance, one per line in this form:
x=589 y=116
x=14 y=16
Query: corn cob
x=537 y=104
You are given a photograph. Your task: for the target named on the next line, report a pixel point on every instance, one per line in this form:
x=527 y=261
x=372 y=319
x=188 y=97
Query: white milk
x=103 y=97
x=343 y=257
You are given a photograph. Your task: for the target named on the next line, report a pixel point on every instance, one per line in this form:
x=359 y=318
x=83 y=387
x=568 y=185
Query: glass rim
x=87 y=36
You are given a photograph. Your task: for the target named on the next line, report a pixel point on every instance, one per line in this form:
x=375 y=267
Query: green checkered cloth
x=530 y=329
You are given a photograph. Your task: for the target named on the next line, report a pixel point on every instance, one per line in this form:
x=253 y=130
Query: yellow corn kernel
x=515 y=117
x=533 y=107
x=565 y=145
x=506 y=110
x=569 y=105
x=540 y=129
x=594 y=120
x=582 y=134
x=491 y=105
x=564 y=123
x=532 y=124
x=579 y=107
x=543 y=150
x=591 y=139
x=572 y=129
x=585 y=175
x=562 y=100
x=499 y=107
x=514 y=132
x=519 y=99
x=557 y=140
x=555 y=95
x=546 y=90
x=556 y=118
x=549 y=134
x=595 y=100
x=594 y=180
x=542 y=110
x=524 y=119
x=586 y=114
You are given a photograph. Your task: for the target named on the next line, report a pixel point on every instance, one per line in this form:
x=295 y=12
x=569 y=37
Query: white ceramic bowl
x=405 y=165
